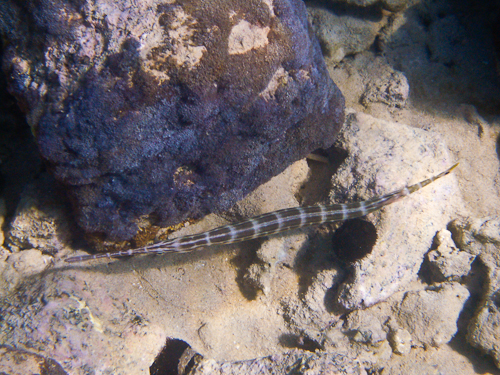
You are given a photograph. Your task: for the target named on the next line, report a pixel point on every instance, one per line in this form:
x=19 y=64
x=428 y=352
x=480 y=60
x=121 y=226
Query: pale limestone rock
x=447 y=262
x=292 y=362
x=382 y=157
x=310 y=315
x=18 y=266
x=29 y=262
x=476 y=235
x=400 y=340
x=484 y=328
x=258 y=277
x=272 y=252
x=365 y=327
x=431 y=315
x=280 y=192
x=484 y=331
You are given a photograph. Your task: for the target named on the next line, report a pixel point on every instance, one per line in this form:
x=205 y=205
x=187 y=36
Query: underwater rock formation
x=403 y=233
x=431 y=315
x=167 y=110
x=481 y=236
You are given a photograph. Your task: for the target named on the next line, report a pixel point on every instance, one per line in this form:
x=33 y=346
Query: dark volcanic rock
x=170 y=110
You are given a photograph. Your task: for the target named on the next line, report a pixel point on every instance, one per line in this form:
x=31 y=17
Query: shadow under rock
x=373 y=13
x=175 y=358
x=20 y=159
x=292 y=341
x=354 y=240
x=145 y=262
x=446 y=49
x=315 y=256
x=319 y=182
x=330 y=249
x=498 y=147
x=245 y=258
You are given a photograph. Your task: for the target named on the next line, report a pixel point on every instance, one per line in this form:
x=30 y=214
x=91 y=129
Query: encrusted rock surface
x=391 y=88
x=167 y=110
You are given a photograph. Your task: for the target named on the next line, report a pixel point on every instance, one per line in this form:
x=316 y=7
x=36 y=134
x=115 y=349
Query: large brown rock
x=166 y=109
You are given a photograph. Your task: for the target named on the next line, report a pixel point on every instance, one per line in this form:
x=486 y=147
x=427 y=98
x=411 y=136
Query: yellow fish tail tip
x=452 y=168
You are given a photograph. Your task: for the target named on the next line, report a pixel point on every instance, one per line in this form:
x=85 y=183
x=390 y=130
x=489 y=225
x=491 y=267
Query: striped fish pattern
x=268 y=224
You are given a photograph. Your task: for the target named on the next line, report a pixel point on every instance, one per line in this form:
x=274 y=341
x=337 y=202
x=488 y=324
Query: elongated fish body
x=268 y=224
